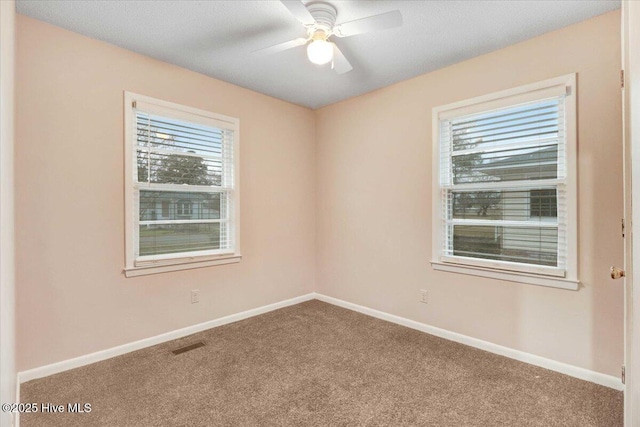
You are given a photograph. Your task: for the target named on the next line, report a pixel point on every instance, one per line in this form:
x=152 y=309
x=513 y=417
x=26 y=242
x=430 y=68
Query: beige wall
x=374 y=203
x=72 y=297
x=7 y=255
x=356 y=176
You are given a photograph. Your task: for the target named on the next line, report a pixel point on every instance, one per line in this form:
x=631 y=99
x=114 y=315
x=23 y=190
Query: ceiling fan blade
x=372 y=23
x=281 y=46
x=340 y=64
x=299 y=10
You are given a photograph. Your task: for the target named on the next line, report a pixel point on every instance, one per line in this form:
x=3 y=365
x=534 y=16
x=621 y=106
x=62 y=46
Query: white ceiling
x=217 y=38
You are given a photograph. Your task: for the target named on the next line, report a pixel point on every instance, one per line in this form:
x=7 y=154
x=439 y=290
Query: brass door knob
x=616 y=273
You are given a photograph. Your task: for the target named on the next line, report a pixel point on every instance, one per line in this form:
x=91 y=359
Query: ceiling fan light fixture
x=319 y=19
x=320 y=51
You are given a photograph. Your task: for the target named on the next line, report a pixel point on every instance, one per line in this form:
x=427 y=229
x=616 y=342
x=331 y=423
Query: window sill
x=510 y=276
x=181 y=265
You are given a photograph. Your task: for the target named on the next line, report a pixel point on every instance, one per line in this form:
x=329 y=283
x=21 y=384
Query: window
x=505 y=185
x=543 y=203
x=184 y=208
x=181 y=177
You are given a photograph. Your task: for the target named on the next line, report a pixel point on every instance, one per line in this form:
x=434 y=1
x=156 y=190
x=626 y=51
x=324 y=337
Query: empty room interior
x=290 y=213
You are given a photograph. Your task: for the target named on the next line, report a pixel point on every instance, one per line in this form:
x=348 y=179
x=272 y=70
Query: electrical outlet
x=424 y=296
x=195 y=296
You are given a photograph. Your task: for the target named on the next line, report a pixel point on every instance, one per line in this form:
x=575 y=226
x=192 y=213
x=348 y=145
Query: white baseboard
x=65 y=365
x=563 y=368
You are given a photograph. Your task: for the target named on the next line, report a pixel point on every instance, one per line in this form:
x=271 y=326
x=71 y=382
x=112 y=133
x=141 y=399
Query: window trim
x=498 y=269
x=184 y=260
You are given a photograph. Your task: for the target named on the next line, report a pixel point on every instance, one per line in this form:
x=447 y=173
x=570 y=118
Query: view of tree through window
x=469 y=239
x=182 y=202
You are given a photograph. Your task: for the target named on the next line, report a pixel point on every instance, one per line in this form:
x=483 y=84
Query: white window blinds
x=183 y=184
x=503 y=186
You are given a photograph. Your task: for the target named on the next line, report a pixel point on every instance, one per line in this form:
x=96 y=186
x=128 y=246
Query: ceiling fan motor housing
x=324 y=14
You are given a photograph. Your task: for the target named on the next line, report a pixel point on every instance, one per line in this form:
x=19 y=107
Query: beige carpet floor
x=314 y=364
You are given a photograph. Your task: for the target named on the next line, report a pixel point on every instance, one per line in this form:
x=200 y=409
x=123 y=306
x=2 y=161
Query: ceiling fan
x=319 y=19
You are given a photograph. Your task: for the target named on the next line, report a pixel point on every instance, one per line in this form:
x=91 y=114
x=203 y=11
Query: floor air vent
x=188 y=348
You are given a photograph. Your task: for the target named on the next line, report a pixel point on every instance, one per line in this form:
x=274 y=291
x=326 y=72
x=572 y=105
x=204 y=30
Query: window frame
x=161 y=263
x=504 y=270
